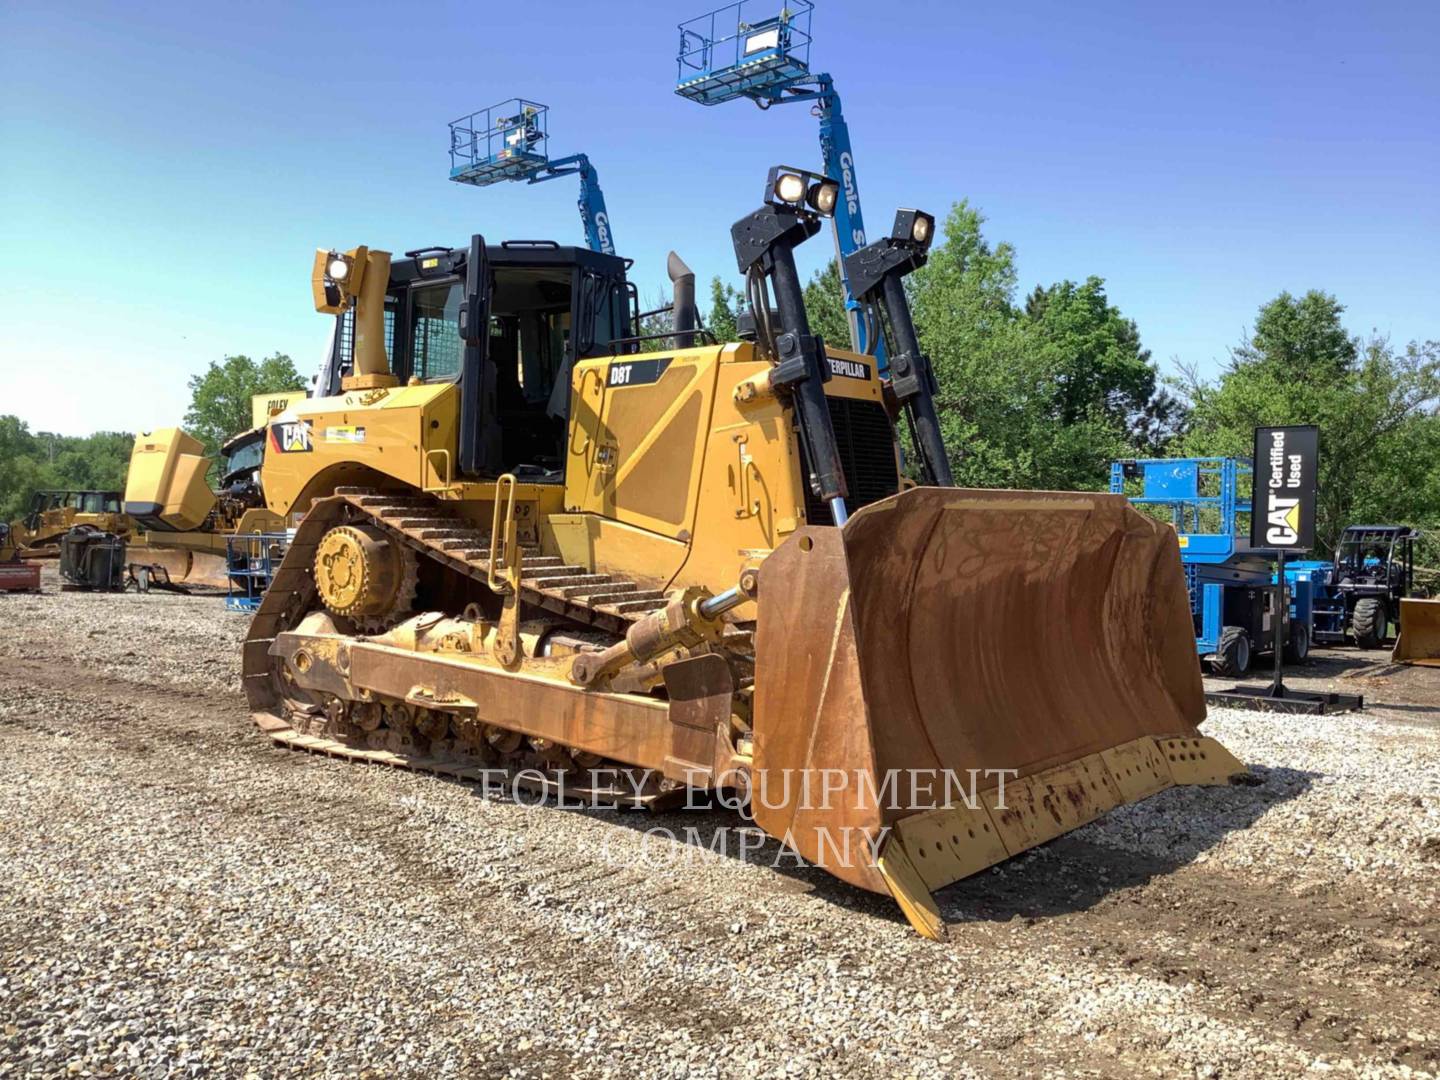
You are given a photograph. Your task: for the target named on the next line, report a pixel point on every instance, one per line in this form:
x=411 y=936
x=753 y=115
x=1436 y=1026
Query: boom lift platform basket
x=735 y=51
x=504 y=142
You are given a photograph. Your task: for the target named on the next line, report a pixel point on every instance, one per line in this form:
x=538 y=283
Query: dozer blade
x=185 y=567
x=1419 y=639
x=956 y=676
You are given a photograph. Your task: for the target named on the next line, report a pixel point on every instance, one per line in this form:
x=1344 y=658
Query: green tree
x=37 y=461
x=1039 y=396
x=659 y=322
x=1375 y=407
x=825 y=304
x=220 y=398
x=725 y=302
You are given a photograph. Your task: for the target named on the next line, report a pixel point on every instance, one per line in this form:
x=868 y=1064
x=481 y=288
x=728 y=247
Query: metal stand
x=1277 y=697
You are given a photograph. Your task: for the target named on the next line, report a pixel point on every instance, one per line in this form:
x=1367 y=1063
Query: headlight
x=338 y=268
x=790 y=188
x=823 y=196
x=801 y=189
x=914 y=228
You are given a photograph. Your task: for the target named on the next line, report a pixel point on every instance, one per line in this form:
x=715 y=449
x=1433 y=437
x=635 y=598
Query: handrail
x=507 y=541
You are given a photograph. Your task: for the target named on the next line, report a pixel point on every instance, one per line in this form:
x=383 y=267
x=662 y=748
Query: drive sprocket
x=363 y=575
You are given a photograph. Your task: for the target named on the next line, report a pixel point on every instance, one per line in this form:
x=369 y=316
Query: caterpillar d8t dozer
x=533 y=546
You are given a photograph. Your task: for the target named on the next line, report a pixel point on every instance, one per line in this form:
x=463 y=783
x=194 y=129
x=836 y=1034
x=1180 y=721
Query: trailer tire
x=1232 y=653
x=1369 y=622
x=1297 y=648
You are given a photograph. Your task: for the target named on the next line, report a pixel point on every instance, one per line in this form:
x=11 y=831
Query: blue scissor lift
x=751 y=50
x=508 y=142
x=1230 y=583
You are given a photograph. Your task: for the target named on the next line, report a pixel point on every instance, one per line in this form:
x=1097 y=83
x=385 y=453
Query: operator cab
x=84 y=502
x=240 y=461
x=545 y=307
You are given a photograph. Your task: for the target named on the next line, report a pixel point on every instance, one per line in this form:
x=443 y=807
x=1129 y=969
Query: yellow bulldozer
x=52 y=514
x=536 y=545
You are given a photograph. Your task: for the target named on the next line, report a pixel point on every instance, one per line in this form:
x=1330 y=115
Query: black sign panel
x=849 y=369
x=636 y=372
x=1282 y=514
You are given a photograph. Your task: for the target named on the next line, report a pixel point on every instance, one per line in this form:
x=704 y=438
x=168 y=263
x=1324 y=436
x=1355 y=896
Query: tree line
x=1038 y=391
x=32 y=461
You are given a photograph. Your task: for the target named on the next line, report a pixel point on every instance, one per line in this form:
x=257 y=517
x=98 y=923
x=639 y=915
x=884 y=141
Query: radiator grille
x=867 y=455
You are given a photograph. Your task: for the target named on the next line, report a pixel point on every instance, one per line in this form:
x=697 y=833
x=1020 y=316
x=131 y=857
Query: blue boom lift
x=748 y=50
x=508 y=142
x=1230 y=583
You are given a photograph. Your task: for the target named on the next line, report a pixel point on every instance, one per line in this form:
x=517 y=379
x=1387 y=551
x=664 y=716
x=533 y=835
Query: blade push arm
x=876 y=273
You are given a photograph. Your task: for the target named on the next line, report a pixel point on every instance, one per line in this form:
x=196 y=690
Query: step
x=629 y=606
x=568 y=585
x=610 y=591
x=410 y=502
x=389 y=510
x=550 y=577
x=548 y=562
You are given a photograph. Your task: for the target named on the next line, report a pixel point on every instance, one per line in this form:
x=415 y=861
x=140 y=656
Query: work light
x=790 y=188
x=823 y=196
x=914 y=228
x=800 y=189
x=337 y=267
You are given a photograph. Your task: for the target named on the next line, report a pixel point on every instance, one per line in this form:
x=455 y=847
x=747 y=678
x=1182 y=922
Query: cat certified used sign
x=1283 y=504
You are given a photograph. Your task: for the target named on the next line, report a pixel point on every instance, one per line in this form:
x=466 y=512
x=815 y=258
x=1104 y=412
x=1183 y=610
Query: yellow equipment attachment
x=544 y=554
x=165 y=486
x=947 y=642
x=1419 y=638
x=185 y=523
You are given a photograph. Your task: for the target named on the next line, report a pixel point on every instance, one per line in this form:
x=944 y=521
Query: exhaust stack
x=684 y=315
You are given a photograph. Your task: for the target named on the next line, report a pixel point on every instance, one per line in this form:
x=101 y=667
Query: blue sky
x=167 y=169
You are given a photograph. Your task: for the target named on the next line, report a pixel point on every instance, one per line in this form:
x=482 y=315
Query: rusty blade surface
x=946 y=630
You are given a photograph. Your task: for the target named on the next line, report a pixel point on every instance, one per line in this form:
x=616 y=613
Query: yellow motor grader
x=622 y=568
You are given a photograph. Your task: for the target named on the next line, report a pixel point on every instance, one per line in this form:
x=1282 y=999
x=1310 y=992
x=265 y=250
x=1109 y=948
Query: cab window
x=435 y=349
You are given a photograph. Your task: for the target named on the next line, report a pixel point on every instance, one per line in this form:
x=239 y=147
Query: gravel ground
x=179 y=898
